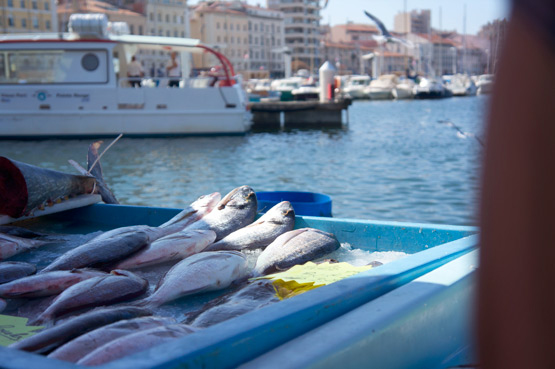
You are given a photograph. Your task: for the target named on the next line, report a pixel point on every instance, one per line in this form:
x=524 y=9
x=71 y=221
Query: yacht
x=430 y=88
x=460 y=85
x=382 y=88
x=356 y=87
x=403 y=89
x=484 y=84
x=75 y=84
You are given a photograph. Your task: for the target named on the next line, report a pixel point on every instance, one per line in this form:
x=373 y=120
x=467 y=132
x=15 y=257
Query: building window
x=217 y=25
x=244 y=27
x=245 y=40
x=174 y=33
x=231 y=26
x=22 y=4
x=159 y=17
x=35 y=23
x=256 y=28
x=183 y=34
x=46 y=5
x=23 y=23
x=218 y=39
x=225 y=25
x=47 y=24
x=167 y=18
x=232 y=39
x=140 y=30
x=131 y=29
x=256 y=40
x=167 y=33
x=35 y=5
x=10 y=3
x=174 y=18
x=160 y=32
x=151 y=16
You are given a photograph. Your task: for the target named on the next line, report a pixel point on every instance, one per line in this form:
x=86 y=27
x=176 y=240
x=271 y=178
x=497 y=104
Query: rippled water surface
x=393 y=161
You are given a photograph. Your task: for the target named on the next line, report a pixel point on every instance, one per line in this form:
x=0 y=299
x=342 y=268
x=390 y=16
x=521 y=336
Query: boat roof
x=146 y=42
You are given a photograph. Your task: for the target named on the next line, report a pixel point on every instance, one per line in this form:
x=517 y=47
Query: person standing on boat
x=135 y=72
x=173 y=70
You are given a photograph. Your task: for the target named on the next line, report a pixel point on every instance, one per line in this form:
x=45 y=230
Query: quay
x=299 y=114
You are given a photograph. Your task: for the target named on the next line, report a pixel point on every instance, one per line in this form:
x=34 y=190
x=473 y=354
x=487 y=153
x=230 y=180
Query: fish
x=176 y=246
x=12 y=270
x=96 y=253
x=198 y=209
x=25 y=188
x=46 y=284
x=237 y=209
x=278 y=220
x=207 y=271
x=22 y=232
x=136 y=342
x=95 y=169
x=253 y=296
x=13 y=245
x=79 y=347
x=65 y=331
x=118 y=286
x=295 y=247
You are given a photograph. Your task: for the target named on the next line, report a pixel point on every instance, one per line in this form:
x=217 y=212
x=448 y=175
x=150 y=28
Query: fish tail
x=94 y=168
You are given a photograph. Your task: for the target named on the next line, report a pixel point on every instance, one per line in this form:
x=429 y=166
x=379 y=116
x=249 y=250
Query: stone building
x=28 y=16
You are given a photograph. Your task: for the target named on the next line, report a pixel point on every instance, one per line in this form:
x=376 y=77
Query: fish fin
x=94 y=168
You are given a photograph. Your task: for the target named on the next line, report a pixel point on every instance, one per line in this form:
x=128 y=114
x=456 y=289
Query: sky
x=478 y=12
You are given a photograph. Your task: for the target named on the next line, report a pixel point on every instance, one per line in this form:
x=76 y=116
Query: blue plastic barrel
x=304 y=203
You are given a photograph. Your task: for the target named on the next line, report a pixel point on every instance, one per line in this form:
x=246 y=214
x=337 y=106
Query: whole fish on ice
x=136 y=342
x=46 y=284
x=79 y=347
x=118 y=286
x=236 y=210
x=97 y=253
x=13 y=245
x=207 y=271
x=295 y=247
x=278 y=220
x=194 y=212
x=176 y=246
x=12 y=270
x=67 y=330
x=253 y=296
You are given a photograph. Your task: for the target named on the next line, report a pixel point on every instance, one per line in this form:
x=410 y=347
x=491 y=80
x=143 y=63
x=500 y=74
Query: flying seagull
x=386 y=36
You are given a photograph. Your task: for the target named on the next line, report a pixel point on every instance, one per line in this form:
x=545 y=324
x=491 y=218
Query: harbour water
x=393 y=161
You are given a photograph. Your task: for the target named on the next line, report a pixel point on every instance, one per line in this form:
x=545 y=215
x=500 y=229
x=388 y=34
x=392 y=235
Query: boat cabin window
x=53 y=66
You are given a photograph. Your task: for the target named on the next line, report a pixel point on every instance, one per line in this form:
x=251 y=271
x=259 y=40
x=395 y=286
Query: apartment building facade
x=28 y=16
x=302 y=31
x=413 y=22
x=251 y=37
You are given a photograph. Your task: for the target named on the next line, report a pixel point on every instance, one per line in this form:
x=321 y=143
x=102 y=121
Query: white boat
x=430 y=88
x=309 y=91
x=74 y=84
x=382 y=87
x=285 y=86
x=403 y=89
x=356 y=87
x=460 y=85
x=485 y=84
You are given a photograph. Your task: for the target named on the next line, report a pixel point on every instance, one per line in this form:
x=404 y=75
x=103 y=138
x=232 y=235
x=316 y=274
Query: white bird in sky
x=386 y=36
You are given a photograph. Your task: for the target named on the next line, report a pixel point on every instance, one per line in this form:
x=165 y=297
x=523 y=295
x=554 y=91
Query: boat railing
x=152 y=82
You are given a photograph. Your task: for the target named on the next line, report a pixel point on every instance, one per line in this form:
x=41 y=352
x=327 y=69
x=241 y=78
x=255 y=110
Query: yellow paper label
x=13 y=329
x=302 y=278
